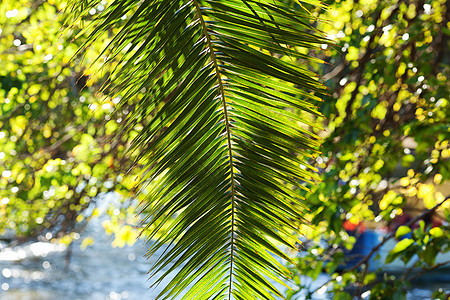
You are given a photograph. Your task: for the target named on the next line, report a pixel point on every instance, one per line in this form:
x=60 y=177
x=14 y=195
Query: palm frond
x=223 y=133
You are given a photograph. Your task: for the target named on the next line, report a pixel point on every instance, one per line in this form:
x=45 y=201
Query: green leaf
x=436 y=232
x=429 y=254
x=224 y=132
x=402 y=230
x=342 y=296
x=402 y=245
x=398 y=249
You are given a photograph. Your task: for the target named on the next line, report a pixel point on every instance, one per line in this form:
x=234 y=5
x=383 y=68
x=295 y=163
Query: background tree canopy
x=386 y=143
x=385 y=152
x=57 y=150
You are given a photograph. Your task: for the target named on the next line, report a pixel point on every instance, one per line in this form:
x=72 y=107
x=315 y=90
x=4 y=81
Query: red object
x=350 y=226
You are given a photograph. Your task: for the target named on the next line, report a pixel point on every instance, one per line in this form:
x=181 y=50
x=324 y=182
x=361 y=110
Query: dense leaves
x=386 y=150
x=57 y=148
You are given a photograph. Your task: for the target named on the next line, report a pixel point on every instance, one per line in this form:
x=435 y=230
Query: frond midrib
x=228 y=132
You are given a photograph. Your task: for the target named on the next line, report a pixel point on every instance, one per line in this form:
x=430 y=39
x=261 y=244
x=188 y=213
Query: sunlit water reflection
x=39 y=271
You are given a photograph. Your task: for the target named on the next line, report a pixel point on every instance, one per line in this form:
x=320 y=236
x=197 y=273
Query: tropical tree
x=57 y=152
x=226 y=146
x=385 y=161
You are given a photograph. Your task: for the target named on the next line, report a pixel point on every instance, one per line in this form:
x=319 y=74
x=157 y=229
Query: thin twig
x=361 y=282
x=424 y=270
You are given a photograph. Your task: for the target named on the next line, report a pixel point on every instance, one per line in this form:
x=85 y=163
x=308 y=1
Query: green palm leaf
x=223 y=135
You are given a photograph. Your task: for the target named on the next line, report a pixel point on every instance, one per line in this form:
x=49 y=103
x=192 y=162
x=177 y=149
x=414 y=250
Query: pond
x=40 y=271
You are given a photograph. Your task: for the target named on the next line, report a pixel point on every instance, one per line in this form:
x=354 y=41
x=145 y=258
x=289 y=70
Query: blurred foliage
x=58 y=144
x=386 y=142
x=386 y=150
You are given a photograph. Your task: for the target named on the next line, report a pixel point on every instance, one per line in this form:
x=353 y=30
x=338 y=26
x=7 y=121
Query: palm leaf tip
x=221 y=130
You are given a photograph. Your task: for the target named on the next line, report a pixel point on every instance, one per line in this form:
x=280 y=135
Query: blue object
x=366 y=241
